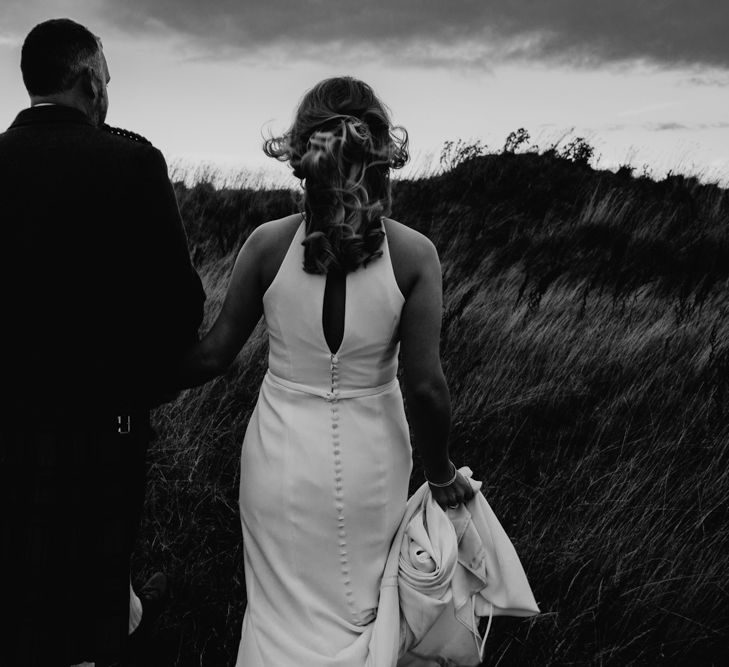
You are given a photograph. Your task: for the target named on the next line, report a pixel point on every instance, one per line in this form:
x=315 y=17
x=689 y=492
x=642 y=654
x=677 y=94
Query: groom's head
x=63 y=62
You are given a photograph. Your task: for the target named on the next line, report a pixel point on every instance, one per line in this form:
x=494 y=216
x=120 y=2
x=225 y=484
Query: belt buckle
x=124 y=424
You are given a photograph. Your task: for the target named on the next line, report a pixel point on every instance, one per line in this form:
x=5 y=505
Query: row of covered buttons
x=333 y=397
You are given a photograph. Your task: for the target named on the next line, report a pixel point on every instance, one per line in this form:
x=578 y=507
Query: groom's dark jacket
x=98 y=294
x=99 y=301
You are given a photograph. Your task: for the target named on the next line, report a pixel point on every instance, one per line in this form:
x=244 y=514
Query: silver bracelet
x=444 y=484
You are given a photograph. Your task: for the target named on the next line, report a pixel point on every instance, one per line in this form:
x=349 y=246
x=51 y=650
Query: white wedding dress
x=325 y=467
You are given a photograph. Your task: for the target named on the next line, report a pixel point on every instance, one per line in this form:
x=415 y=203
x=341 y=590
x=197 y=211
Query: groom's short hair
x=55 y=53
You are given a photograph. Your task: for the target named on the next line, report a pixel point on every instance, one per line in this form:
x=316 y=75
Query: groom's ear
x=90 y=84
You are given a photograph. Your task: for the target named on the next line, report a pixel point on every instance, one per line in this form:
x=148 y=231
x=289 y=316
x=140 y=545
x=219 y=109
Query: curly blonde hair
x=342 y=146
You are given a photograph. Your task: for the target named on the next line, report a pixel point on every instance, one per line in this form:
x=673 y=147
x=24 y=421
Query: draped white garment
x=445 y=571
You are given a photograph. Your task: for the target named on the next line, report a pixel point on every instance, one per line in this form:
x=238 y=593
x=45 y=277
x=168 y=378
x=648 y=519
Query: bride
x=326 y=458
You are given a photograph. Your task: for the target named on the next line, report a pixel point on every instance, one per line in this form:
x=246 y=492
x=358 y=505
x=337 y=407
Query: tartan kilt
x=72 y=491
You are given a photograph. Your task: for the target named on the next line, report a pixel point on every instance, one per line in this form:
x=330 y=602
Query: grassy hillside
x=586 y=346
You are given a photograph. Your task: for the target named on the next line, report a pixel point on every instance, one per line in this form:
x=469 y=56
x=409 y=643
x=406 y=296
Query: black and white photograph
x=364 y=334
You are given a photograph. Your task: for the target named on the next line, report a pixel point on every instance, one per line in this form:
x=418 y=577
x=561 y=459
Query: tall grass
x=586 y=344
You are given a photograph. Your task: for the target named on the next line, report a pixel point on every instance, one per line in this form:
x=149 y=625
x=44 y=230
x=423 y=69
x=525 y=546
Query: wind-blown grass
x=585 y=341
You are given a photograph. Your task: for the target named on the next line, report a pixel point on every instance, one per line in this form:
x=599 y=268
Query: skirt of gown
x=323 y=488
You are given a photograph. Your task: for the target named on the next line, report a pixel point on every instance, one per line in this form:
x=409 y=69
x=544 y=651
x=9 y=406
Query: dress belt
x=336 y=394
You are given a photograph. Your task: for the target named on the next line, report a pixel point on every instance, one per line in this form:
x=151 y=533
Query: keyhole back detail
x=334 y=310
x=309 y=316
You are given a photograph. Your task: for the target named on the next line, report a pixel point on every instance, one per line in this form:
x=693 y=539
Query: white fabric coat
x=445 y=571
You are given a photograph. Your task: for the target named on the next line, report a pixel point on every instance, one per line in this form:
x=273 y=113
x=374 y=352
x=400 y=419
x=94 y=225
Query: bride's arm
x=426 y=390
x=242 y=308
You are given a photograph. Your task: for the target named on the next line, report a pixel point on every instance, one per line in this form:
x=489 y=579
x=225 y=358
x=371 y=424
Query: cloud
x=651 y=108
x=455 y=33
x=470 y=32
x=17 y=17
x=665 y=127
x=711 y=80
x=671 y=126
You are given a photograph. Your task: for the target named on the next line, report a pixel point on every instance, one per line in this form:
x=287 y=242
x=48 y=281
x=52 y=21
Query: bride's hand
x=454 y=494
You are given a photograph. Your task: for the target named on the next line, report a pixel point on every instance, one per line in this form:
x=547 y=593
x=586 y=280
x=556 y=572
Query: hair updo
x=342 y=146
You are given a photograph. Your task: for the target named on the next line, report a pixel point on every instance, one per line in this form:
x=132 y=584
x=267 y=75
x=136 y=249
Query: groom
x=100 y=300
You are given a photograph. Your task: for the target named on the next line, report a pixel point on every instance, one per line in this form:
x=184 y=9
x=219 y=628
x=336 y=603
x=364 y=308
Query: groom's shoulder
x=117 y=139
x=122 y=150
x=126 y=135
x=130 y=151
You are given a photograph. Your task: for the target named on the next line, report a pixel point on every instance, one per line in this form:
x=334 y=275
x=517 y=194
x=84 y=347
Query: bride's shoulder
x=269 y=243
x=411 y=253
x=271 y=237
x=407 y=244
x=399 y=233
x=275 y=231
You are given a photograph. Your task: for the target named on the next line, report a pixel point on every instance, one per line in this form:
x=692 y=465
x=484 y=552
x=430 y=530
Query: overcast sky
x=646 y=81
